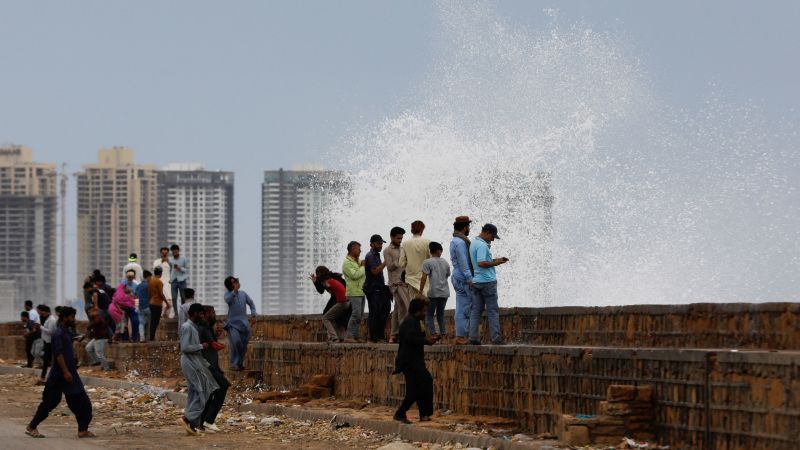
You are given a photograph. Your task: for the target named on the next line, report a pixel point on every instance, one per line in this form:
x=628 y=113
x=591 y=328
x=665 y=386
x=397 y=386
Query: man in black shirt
x=379 y=297
x=411 y=362
x=63 y=380
x=208 y=335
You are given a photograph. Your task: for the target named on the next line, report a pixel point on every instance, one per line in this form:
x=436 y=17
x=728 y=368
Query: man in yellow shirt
x=415 y=252
x=354 y=274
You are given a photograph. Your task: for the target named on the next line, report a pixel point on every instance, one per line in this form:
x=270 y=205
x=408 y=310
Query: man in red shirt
x=342 y=306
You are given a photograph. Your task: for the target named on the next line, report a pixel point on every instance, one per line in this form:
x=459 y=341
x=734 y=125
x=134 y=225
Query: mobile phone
x=504 y=259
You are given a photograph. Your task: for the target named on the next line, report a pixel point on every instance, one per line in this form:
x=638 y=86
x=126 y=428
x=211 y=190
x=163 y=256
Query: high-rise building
x=294 y=225
x=117 y=214
x=28 y=208
x=196 y=212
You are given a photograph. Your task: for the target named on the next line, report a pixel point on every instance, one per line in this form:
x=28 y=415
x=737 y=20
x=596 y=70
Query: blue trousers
x=463 y=307
x=436 y=306
x=484 y=295
x=237 y=343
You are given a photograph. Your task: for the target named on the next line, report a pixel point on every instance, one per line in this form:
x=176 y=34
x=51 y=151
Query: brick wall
x=774 y=326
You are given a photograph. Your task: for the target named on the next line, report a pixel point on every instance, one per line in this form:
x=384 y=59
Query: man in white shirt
x=183 y=310
x=49 y=324
x=163 y=262
x=414 y=252
x=135 y=267
x=32 y=314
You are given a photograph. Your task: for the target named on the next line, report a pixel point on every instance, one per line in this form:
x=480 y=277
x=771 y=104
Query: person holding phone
x=484 y=286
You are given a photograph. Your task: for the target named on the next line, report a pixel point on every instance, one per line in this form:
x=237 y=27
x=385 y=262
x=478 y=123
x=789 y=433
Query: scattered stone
x=271 y=420
x=397 y=446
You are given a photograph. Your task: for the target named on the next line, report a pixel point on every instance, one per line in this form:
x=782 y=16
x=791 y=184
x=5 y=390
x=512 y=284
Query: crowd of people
x=415 y=269
x=418 y=285
x=416 y=282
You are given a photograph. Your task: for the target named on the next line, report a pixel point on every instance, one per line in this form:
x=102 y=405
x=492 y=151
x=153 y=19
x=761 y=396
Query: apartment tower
x=196 y=212
x=117 y=214
x=28 y=208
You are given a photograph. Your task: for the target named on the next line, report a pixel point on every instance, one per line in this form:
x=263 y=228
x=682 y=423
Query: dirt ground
x=141 y=420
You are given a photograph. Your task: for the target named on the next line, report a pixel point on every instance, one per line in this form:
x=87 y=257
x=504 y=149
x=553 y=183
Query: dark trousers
x=217 y=399
x=419 y=389
x=28 y=348
x=79 y=404
x=155 y=318
x=47 y=359
x=379 y=310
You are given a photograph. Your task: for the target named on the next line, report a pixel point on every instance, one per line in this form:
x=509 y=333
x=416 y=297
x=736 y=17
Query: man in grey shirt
x=437 y=270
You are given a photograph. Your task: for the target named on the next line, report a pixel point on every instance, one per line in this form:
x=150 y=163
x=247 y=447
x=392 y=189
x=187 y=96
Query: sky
x=249 y=86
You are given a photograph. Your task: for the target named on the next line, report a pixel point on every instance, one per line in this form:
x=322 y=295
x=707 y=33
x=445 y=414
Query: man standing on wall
x=135 y=267
x=415 y=252
x=398 y=288
x=354 y=275
x=378 y=296
x=462 y=276
x=163 y=262
x=484 y=286
x=178 y=267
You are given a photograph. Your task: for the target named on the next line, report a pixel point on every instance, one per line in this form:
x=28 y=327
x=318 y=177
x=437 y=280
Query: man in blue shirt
x=63 y=380
x=143 y=293
x=378 y=295
x=462 y=276
x=484 y=286
x=237 y=326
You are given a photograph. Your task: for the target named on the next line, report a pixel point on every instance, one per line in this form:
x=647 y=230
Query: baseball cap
x=489 y=228
x=376 y=238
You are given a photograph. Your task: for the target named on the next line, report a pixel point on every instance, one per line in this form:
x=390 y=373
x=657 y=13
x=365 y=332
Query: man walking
x=378 y=295
x=63 y=380
x=32 y=332
x=462 y=277
x=178 y=267
x=484 y=286
x=32 y=314
x=195 y=369
x=411 y=362
x=183 y=310
x=397 y=287
x=135 y=267
x=237 y=326
x=354 y=275
x=415 y=252
x=49 y=325
x=208 y=335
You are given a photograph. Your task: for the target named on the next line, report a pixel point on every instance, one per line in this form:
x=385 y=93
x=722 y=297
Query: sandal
x=86 y=434
x=33 y=433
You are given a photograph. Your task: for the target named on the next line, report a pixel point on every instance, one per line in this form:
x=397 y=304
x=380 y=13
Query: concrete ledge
x=406 y=432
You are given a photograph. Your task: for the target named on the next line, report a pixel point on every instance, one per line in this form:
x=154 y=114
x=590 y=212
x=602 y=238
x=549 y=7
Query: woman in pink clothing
x=124 y=301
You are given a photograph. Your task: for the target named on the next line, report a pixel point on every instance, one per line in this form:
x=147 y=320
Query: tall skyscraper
x=28 y=208
x=294 y=225
x=196 y=212
x=117 y=214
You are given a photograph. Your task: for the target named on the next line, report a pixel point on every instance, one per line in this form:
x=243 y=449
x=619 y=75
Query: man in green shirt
x=354 y=275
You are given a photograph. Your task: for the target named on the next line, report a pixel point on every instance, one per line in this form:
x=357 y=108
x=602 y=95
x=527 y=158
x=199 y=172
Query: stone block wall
x=773 y=326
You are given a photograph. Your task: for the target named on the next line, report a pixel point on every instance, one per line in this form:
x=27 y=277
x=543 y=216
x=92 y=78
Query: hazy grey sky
x=248 y=86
